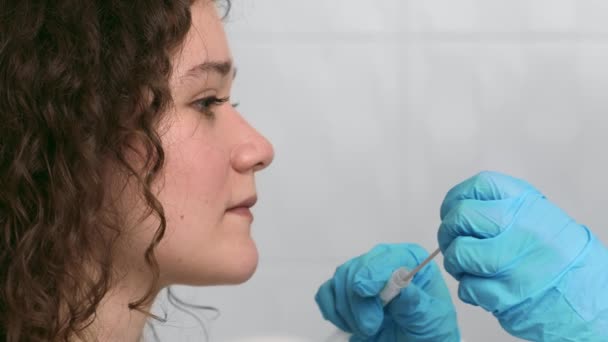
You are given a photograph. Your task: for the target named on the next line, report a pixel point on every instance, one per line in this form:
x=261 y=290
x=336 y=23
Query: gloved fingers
x=380 y=263
x=362 y=314
x=417 y=252
x=351 y=298
x=372 y=278
x=484 y=238
x=389 y=333
x=493 y=295
x=417 y=314
x=410 y=306
x=358 y=338
x=471 y=256
x=327 y=302
x=368 y=315
x=369 y=278
x=489 y=257
x=374 y=269
x=477 y=219
x=485 y=186
x=355 y=315
x=431 y=280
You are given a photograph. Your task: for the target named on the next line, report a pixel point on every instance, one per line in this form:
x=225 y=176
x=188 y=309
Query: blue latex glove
x=517 y=255
x=423 y=311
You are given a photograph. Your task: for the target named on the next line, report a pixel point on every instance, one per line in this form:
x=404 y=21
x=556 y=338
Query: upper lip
x=246 y=203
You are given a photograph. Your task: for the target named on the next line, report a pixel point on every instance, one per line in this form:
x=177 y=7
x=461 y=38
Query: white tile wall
x=377 y=108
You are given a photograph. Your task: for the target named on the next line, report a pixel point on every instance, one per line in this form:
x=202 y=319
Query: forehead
x=205 y=41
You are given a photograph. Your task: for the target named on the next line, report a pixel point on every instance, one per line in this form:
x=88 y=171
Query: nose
x=254 y=153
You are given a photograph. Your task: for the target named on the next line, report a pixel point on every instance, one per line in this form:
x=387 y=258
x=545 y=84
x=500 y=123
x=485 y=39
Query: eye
x=206 y=104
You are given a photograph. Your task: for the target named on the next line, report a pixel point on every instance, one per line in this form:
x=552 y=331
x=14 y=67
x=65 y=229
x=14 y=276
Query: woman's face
x=212 y=155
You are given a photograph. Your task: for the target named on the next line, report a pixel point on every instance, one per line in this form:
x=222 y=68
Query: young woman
x=124 y=167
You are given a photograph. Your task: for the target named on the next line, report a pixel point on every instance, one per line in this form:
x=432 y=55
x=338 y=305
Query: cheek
x=195 y=194
x=195 y=181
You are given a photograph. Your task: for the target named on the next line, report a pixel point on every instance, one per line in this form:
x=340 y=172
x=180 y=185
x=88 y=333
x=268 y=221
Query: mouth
x=242 y=208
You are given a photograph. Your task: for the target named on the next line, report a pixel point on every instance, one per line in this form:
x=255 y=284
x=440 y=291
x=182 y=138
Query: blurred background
x=376 y=109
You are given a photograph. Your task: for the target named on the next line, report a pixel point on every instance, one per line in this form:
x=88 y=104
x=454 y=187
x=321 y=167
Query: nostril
x=267 y=155
x=259 y=166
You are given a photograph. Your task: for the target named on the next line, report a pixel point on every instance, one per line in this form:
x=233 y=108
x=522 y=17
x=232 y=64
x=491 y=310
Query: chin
x=244 y=267
x=230 y=264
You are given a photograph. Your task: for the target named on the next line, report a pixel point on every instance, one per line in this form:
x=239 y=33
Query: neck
x=114 y=321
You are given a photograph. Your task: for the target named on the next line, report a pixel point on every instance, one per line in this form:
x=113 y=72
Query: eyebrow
x=223 y=68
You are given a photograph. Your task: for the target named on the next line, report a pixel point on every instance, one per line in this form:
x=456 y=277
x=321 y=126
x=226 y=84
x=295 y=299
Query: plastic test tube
x=401 y=278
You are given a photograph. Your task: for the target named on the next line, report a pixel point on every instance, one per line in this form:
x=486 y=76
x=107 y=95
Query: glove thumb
x=416 y=313
x=410 y=307
x=369 y=281
x=422 y=317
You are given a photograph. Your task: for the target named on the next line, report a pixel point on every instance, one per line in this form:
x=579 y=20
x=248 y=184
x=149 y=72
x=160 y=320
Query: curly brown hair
x=81 y=82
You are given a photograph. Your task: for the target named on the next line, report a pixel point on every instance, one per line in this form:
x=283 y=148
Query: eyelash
x=205 y=105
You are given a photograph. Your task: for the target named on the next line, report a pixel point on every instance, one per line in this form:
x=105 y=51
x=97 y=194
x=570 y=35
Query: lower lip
x=242 y=211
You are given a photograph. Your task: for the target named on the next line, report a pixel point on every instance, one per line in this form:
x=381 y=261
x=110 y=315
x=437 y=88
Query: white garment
x=271 y=338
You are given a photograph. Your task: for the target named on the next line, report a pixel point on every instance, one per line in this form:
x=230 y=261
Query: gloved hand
x=423 y=311
x=517 y=255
